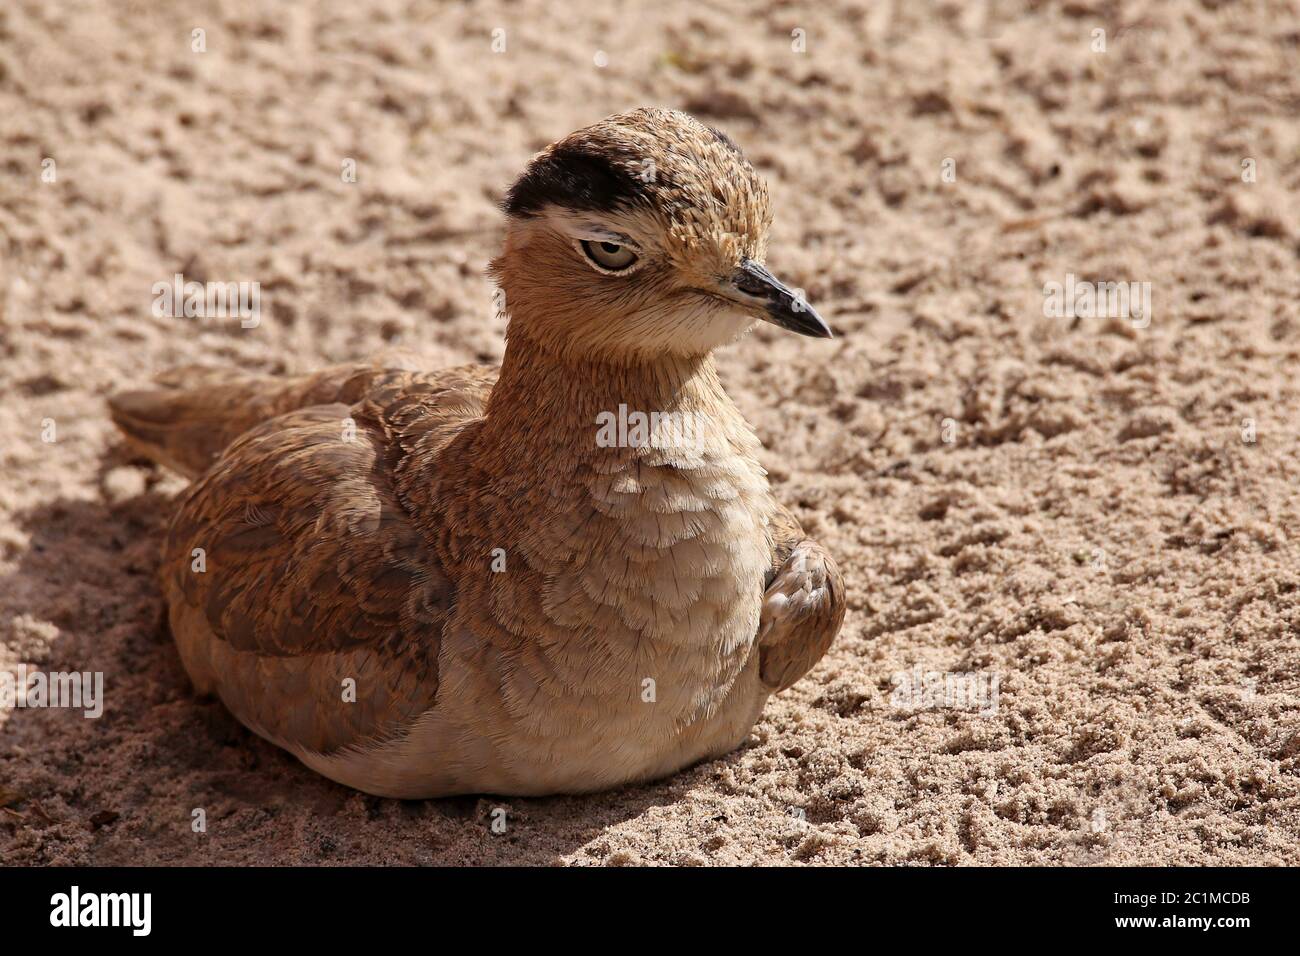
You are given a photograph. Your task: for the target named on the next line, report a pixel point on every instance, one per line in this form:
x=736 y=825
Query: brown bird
x=556 y=576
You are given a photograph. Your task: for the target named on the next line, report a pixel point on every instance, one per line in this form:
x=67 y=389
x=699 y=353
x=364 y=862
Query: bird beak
x=779 y=304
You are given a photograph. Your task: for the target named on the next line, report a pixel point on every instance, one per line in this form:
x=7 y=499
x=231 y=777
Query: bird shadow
x=165 y=776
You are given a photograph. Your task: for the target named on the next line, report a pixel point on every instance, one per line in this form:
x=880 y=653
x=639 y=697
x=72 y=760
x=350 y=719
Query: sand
x=1099 y=512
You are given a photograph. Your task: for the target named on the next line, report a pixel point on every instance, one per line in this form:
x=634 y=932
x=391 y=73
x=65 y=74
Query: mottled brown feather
x=310 y=551
x=790 y=645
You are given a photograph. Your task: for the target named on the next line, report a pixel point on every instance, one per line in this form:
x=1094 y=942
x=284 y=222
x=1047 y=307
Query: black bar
x=331 y=905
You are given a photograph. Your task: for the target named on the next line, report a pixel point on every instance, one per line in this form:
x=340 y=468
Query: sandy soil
x=1090 y=525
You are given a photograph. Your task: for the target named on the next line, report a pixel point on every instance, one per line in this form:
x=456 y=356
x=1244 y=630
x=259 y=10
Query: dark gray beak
x=783 y=306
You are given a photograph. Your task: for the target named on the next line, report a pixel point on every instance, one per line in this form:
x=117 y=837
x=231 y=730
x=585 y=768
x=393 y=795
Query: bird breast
x=621 y=631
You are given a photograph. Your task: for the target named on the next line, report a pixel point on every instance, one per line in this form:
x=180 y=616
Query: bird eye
x=609 y=256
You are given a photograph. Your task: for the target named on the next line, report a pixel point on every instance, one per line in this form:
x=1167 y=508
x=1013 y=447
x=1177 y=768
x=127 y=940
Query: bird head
x=643 y=235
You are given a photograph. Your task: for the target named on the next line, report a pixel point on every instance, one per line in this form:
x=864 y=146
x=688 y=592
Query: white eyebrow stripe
x=582 y=226
x=601 y=234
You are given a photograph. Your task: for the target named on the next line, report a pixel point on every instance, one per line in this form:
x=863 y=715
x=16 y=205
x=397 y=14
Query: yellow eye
x=609 y=256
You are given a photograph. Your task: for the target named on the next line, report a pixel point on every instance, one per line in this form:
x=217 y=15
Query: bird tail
x=189 y=418
x=194 y=413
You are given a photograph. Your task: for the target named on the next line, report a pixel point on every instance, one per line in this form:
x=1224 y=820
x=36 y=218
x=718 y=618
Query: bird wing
x=803 y=606
x=300 y=589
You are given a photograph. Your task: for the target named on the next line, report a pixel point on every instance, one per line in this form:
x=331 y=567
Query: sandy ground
x=1074 y=507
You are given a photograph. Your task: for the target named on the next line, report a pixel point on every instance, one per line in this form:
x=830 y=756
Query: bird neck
x=543 y=395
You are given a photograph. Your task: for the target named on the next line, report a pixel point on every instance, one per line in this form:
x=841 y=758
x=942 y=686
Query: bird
x=560 y=575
